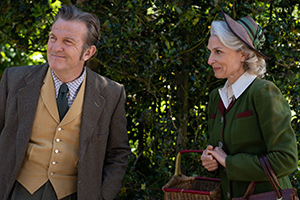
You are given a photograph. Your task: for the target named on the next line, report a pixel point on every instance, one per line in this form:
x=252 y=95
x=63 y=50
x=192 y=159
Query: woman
x=248 y=117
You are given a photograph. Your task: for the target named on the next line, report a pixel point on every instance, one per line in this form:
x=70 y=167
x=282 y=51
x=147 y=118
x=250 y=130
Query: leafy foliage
x=157 y=49
x=24 y=31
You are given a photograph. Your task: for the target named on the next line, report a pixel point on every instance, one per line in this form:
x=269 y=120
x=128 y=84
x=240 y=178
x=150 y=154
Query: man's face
x=64 y=49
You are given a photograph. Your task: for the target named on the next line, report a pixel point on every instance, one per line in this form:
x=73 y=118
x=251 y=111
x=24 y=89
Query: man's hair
x=71 y=13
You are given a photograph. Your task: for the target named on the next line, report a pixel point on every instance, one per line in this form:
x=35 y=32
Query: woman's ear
x=244 y=56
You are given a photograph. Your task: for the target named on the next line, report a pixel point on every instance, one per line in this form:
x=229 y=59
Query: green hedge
x=157 y=49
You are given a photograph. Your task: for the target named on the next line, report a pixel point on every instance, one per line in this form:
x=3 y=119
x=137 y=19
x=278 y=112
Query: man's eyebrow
x=67 y=37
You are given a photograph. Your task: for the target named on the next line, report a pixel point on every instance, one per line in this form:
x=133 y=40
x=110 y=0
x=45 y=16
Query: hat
x=248 y=31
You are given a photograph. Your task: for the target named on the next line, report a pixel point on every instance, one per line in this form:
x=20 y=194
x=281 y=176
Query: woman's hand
x=218 y=154
x=208 y=161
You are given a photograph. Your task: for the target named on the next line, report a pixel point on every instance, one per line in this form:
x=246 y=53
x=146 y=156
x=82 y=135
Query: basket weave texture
x=181 y=187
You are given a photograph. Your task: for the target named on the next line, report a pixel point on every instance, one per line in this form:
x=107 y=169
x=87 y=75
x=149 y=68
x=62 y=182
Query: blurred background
x=157 y=49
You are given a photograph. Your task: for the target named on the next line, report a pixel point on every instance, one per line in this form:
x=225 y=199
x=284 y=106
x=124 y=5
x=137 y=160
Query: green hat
x=248 y=31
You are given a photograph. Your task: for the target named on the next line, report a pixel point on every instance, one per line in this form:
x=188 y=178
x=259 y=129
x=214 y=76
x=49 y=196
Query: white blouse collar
x=238 y=87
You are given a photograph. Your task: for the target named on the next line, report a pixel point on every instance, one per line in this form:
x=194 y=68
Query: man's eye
x=218 y=51
x=69 y=42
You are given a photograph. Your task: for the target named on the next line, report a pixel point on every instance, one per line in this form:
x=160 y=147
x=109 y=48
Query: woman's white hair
x=254 y=64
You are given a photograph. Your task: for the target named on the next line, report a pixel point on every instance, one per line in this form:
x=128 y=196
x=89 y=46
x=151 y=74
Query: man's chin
x=55 y=66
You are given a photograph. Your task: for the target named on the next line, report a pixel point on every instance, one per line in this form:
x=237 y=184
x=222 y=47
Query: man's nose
x=57 y=46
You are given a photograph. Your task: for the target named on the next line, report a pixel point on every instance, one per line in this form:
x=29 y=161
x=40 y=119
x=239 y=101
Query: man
x=63 y=127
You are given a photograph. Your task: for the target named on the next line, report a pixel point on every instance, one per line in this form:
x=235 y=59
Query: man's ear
x=89 y=52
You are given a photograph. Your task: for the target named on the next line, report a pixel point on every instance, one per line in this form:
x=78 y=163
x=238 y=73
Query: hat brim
x=239 y=31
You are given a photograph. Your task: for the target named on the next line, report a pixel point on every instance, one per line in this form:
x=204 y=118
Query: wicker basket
x=181 y=187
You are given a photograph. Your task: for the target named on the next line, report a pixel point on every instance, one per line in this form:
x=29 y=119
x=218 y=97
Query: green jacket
x=258 y=123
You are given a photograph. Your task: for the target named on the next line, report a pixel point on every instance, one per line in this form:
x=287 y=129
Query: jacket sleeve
x=118 y=149
x=3 y=95
x=274 y=118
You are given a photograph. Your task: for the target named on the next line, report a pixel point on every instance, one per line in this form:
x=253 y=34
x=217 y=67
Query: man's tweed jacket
x=103 y=144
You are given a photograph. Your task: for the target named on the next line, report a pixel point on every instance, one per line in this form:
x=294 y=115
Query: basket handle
x=178 y=160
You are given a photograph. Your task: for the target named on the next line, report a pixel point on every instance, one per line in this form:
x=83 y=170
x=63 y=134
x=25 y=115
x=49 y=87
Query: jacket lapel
x=27 y=103
x=93 y=105
x=76 y=108
x=48 y=96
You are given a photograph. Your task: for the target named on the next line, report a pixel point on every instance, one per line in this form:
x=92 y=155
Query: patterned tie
x=62 y=101
x=230 y=95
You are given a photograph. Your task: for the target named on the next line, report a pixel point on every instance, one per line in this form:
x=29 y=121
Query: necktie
x=230 y=94
x=62 y=101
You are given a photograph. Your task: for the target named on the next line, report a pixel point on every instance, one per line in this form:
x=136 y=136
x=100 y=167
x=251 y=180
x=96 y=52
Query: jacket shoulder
x=263 y=87
x=104 y=82
x=259 y=82
x=22 y=71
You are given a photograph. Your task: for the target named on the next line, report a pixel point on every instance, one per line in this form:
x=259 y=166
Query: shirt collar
x=73 y=86
x=238 y=87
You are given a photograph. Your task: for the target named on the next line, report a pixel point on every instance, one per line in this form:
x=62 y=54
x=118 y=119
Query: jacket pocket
x=213 y=116
x=247 y=113
x=245 y=131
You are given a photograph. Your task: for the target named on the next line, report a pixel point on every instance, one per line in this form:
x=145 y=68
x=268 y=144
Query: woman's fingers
x=219 y=155
x=208 y=161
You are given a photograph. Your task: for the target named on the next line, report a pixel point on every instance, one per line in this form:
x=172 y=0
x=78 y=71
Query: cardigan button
x=220 y=144
x=228 y=195
x=222 y=119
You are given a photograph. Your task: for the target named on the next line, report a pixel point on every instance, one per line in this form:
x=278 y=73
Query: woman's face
x=226 y=63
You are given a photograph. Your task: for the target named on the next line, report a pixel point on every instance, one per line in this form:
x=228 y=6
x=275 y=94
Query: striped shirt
x=73 y=86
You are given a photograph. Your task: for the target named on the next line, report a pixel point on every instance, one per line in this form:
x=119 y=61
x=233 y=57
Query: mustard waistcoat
x=52 y=152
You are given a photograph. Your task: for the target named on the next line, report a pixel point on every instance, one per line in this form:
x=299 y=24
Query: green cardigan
x=258 y=123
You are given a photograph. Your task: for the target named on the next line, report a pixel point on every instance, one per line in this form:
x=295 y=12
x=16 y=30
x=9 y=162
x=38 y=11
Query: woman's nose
x=210 y=60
